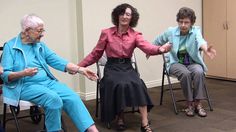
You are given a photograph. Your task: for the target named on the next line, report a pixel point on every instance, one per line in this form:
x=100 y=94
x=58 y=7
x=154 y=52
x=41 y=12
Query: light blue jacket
x=193 y=43
x=14 y=60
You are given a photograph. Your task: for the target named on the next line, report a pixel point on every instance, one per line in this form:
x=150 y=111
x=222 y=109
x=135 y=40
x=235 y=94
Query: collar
x=114 y=30
x=18 y=43
x=177 y=33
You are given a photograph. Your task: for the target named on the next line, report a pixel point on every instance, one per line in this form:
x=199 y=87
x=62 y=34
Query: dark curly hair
x=120 y=10
x=186 y=12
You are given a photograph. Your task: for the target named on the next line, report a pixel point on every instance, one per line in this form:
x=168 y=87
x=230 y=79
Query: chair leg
x=172 y=95
x=97 y=100
x=108 y=125
x=44 y=125
x=4 y=116
x=162 y=86
x=12 y=108
x=208 y=98
x=63 y=125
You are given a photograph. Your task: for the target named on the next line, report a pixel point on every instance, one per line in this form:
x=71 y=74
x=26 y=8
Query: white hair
x=30 y=21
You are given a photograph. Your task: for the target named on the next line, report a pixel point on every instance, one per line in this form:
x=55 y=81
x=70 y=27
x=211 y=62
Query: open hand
x=210 y=52
x=30 y=71
x=88 y=73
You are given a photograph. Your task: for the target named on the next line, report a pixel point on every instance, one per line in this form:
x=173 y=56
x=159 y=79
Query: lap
x=178 y=68
x=38 y=92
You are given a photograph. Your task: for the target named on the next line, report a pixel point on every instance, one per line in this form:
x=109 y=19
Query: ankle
x=144 y=122
x=146 y=128
x=92 y=128
x=189 y=103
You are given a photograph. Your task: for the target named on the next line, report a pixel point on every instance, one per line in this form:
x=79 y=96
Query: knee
x=53 y=102
x=199 y=73
x=72 y=100
x=186 y=74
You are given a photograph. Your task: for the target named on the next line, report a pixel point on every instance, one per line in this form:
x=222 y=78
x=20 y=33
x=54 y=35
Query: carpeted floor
x=163 y=118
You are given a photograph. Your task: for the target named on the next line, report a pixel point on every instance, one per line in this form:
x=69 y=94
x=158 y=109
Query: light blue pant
x=53 y=98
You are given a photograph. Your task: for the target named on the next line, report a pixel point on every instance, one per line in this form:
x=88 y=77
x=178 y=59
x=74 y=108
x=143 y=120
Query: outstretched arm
x=209 y=51
x=73 y=69
x=162 y=49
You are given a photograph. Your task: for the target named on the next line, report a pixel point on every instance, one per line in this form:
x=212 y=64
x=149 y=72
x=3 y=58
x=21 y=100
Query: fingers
x=91 y=75
x=31 y=71
x=168 y=47
x=1 y=70
x=88 y=73
x=211 y=52
x=162 y=49
x=165 y=48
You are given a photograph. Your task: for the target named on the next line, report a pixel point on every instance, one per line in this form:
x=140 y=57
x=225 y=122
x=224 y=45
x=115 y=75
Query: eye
x=127 y=14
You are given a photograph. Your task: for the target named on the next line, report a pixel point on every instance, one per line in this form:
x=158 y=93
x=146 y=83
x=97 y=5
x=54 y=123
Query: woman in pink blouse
x=121 y=86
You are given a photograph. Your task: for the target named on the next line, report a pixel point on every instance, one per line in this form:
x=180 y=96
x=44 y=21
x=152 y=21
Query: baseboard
x=87 y=96
x=156 y=83
x=149 y=84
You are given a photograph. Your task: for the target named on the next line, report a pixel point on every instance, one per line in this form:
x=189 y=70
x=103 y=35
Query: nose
x=182 y=24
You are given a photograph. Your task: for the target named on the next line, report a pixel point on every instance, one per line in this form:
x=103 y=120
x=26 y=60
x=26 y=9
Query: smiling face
x=184 y=25
x=124 y=19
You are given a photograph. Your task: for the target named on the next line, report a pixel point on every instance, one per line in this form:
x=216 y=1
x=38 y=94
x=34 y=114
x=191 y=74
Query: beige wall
x=73 y=28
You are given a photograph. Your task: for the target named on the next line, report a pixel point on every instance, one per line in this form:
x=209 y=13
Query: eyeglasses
x=38 y=31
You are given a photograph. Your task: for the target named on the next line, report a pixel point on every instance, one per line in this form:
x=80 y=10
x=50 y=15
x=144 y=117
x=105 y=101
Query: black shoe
x=121 y=125
x=146 y=128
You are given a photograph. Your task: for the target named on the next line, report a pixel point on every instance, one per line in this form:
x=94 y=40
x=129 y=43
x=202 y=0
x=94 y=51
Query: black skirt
x=121 y=87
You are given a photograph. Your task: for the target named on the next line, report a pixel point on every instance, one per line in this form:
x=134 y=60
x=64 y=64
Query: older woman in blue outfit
x=27 y=77
x=186 y=62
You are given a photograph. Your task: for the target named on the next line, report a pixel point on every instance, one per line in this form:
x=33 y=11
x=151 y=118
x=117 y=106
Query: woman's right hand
x=165 y=48
x=30 y=71
x=1 y=70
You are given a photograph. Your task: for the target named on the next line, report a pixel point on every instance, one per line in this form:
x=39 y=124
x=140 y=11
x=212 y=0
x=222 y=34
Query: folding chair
x=100 y=66
x=171 y=89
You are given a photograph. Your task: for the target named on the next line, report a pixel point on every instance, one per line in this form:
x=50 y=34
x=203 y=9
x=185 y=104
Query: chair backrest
x=102 y=62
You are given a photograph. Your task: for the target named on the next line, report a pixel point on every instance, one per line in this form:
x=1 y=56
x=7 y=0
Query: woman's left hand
x=1 y=70
x=88 y=73
x=210 y=52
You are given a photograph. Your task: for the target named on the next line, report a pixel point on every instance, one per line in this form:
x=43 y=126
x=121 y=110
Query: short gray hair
x=30 y=21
